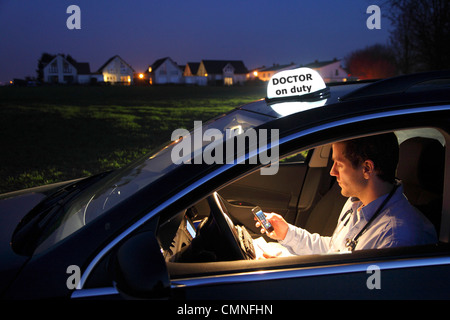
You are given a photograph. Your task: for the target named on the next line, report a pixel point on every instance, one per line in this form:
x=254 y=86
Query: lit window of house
x=228 y=81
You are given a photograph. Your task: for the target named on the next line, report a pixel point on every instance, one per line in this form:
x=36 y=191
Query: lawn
x=55 y=133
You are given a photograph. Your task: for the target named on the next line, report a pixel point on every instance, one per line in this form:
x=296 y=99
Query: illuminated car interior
x=314 y=202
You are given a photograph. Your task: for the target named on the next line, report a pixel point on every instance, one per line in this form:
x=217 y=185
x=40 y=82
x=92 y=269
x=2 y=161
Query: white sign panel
x=292 y=83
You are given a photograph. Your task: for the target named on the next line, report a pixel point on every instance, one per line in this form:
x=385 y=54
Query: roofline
x=75 y=66
x=111 y=59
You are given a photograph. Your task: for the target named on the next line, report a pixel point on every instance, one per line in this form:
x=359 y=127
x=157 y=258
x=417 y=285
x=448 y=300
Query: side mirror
x=140 y=269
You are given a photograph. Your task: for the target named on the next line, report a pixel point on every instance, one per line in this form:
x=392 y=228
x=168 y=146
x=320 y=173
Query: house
x=223 y=72
x=191 y=69
x=253 y=74
x=330 y=71
x=266 y=73
x=165 y=71
x=65 y=70
x=84 y=72
x=190 y=74
x=116 y=70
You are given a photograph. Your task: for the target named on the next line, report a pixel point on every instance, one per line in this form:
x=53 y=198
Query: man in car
x=376 y=214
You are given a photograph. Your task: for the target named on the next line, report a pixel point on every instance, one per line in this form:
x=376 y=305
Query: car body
x=136 y=232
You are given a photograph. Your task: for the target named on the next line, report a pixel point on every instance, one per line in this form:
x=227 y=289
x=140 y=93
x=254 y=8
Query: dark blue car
x=178 y=223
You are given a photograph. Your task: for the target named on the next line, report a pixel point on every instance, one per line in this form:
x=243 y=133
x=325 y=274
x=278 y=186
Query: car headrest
x=421 y=162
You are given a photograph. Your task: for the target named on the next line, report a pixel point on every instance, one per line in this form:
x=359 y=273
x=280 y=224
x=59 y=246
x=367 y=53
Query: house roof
x=216 y=66
x=159 y=62
x=277 y=67
x=319 y=64
x=81 y=67
x=111 y=59
x=193 y=66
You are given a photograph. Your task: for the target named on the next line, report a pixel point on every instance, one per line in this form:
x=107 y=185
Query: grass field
x=56 y=133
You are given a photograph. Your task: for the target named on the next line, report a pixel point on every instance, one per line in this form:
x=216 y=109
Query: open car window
x=189 y=230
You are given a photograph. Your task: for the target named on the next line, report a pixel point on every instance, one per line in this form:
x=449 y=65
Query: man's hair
x=382 y=149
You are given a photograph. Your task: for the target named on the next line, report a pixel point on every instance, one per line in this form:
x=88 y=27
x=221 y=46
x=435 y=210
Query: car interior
x=222 y=227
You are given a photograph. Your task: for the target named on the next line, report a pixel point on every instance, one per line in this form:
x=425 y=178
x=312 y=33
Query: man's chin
x=344 y=193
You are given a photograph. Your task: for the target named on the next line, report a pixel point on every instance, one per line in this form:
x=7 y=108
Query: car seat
x=421 y=170
x=324 y=216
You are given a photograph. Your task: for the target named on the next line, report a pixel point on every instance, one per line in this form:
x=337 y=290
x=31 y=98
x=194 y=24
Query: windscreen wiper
x=29 y=229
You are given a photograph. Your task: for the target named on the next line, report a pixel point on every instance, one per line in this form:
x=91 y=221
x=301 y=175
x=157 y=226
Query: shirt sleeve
x=299 y=241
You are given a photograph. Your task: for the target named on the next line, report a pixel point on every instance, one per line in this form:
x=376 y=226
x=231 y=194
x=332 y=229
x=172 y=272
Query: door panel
x=414 y=279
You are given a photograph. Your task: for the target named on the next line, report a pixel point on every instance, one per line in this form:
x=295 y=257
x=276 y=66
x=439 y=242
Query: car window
x=186 y=238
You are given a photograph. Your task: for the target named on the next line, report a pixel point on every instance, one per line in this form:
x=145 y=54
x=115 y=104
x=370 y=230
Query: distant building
x=253 y=74
x=165 y=71
x=66 y=70
x=191 y=76
x=116 y=71
x=191 y=69
x=206 y=72
x=330 y=71
x=266 y=73
x=84 y=72
x=223 y=72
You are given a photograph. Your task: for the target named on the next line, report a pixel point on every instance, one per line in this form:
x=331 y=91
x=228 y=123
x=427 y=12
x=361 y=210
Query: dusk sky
x=259 y=32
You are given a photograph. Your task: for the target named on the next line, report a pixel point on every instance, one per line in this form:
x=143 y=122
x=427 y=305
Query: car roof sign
x=296 y=90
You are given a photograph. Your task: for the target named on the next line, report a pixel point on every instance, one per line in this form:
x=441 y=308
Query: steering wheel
x=226 y=227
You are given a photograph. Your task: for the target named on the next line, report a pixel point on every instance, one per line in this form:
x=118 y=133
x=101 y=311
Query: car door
x=408 y=273
x=394 y=273
x=416 y=272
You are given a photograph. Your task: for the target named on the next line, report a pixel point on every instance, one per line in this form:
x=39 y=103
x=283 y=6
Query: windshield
x=121 y=184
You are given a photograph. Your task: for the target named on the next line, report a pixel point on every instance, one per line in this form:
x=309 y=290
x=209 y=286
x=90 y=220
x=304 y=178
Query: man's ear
x=368 y=168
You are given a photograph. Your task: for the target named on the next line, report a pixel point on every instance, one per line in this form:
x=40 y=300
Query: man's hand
x=280 y=226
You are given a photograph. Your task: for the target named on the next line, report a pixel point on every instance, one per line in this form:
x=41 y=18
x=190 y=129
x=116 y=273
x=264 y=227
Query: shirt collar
x=366 y=212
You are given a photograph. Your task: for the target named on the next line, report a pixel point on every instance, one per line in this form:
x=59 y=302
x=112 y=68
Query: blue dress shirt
x=398 y=224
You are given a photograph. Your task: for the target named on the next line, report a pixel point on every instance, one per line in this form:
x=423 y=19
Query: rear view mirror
x=140 y=269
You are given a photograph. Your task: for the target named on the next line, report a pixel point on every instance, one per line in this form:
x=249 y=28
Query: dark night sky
x=259 y=32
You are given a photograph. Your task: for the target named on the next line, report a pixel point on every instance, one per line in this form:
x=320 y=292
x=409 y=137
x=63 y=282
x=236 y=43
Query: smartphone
x=259 y=214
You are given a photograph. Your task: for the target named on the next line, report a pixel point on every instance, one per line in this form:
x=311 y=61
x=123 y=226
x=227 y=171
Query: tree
x=373 y=62
x=421 y=34
x=42 y=62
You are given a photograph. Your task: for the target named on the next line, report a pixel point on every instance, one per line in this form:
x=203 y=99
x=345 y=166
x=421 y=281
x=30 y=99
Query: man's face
x=351 y=180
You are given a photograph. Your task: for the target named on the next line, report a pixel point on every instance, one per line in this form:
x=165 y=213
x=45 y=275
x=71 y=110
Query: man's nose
x=333 y=171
